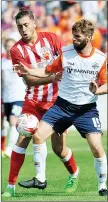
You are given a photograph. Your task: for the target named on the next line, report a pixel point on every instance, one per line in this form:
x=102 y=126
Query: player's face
x=9 y=45
x=79 y=41
x=26 y=28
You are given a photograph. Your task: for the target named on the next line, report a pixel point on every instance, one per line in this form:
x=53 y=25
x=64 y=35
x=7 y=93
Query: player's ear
x=90 y=37
x=34 y=23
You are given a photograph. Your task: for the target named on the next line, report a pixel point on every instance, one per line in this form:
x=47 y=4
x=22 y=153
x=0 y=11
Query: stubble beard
x=81 y=46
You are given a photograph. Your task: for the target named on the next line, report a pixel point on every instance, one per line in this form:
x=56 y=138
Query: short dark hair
x=84 y=26
x=23 y=13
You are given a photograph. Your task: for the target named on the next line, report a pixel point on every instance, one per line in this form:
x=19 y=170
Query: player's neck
x=33 y=40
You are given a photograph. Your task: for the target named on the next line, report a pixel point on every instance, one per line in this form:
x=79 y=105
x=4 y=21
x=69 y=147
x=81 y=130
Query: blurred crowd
x=57 y=17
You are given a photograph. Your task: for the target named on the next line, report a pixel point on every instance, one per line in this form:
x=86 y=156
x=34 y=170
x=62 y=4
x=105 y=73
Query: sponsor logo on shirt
x=70 y=63
x=71 y=70
x=95 y=65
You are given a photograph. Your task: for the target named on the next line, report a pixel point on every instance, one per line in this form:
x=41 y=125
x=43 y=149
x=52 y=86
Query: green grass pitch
x=57 y=175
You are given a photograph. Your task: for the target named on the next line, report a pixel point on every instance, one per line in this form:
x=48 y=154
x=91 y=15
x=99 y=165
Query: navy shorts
x=13 y=108
x=63 y=114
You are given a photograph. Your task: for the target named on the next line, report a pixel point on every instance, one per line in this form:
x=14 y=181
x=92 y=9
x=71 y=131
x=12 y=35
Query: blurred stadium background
x=58 y=17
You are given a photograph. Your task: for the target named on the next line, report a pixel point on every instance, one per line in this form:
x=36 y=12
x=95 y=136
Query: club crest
x=46 y=53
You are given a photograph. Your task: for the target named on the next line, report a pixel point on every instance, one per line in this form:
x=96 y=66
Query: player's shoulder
x=68 y=48
x=14 y=47
x=48 y=35
x=100 y=53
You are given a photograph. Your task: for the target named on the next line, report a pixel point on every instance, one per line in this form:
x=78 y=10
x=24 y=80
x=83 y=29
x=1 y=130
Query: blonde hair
x=84 y=26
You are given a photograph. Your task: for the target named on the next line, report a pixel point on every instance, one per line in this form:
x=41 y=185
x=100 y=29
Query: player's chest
x=40 y=56
x=78 y=67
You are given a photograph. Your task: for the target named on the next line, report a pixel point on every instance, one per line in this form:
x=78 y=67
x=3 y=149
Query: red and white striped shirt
x=40 y=53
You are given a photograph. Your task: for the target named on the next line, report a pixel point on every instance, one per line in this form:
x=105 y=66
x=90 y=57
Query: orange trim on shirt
x=100 y=53
x=102 y=76
x=56 y=66
x=86 y=56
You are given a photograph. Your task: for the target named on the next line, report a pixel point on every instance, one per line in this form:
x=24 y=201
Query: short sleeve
x=58 y=43
x=56 y=66
x=17 y=58
x=102 y=76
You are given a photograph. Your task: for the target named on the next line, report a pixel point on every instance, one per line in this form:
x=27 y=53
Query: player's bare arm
x=101 y=90
x=33 y=80
x=55 y=67
x=43 y=80
x=38 y=72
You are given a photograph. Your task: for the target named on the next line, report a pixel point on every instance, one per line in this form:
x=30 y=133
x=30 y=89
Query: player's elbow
x=29 y=80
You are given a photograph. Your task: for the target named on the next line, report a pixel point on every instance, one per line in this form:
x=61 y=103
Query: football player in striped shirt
x=37 y=49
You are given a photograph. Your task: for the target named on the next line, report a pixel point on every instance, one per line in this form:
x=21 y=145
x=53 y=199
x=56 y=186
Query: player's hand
x=58 y=76
x=21 y=68
x=93 y=87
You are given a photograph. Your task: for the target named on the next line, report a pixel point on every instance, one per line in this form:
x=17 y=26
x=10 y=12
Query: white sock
x=100 y=165
x=11 y=186
x=13 y=136
x=68 y=156
x=75 y=175
x=19 y=150
x=40 y=154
